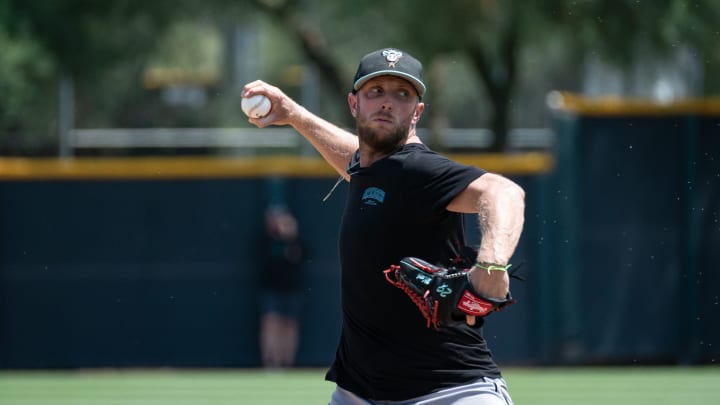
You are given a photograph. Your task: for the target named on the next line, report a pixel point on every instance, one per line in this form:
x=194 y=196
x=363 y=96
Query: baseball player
x=403 y=227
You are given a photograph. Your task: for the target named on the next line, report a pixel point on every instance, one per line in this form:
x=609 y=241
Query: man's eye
x=404 y=93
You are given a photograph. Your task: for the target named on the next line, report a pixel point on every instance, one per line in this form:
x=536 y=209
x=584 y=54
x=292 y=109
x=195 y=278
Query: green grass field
x=528 y=386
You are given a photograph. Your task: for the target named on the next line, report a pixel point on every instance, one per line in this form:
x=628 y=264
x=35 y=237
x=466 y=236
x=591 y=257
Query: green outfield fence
x=150 y=262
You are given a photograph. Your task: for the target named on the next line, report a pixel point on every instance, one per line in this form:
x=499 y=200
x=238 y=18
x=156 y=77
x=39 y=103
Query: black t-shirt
x=395 y=208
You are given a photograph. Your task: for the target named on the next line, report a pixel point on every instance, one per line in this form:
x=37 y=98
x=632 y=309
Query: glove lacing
x=423 y=303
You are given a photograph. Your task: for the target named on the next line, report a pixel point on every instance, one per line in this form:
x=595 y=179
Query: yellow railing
x=619 y=106
x=161 y=168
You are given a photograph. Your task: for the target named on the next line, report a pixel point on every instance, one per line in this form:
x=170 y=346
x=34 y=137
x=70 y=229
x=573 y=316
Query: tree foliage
x=102 y=46
x=491 y=37
x=481 y=56
x=26 y=73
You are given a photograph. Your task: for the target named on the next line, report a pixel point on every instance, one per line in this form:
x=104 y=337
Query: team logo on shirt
x=373 y=196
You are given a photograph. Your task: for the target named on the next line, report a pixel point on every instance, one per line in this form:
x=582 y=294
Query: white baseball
x=256 y=106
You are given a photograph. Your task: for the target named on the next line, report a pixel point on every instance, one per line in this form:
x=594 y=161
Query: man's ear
x=352 y=103
x=418 y=112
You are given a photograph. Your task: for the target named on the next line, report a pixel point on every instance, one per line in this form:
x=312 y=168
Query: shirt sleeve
x=440 y=179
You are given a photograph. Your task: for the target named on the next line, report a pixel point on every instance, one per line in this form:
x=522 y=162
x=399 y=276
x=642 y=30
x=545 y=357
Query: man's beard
x=384 y=141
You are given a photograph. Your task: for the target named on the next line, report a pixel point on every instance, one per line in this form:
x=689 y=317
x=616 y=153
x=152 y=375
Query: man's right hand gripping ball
x=444 y=296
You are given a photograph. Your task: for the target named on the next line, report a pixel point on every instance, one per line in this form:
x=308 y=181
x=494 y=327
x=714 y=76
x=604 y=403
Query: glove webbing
x=421 y=302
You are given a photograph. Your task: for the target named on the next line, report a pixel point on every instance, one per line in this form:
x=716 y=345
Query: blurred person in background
x=282 y=288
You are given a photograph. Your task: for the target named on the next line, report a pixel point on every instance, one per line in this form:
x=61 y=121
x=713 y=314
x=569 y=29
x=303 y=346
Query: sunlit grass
x=528 y=386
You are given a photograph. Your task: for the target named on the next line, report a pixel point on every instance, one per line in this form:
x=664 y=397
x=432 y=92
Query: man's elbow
x=517 y=191
x=509 y=189
x=512 y=197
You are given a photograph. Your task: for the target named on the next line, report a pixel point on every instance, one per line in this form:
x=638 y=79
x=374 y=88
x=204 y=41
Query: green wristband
x=492 y=267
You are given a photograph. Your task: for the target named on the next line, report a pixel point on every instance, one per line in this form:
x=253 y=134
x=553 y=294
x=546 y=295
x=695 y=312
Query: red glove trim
x=472 y=305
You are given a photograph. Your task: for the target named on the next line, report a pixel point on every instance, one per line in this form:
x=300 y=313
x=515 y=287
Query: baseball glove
x=444 y=295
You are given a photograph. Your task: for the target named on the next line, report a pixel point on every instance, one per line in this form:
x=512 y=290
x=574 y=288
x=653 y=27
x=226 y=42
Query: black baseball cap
x=393 y=62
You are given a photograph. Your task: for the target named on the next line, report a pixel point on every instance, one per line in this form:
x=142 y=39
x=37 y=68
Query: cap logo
x=392 y=56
